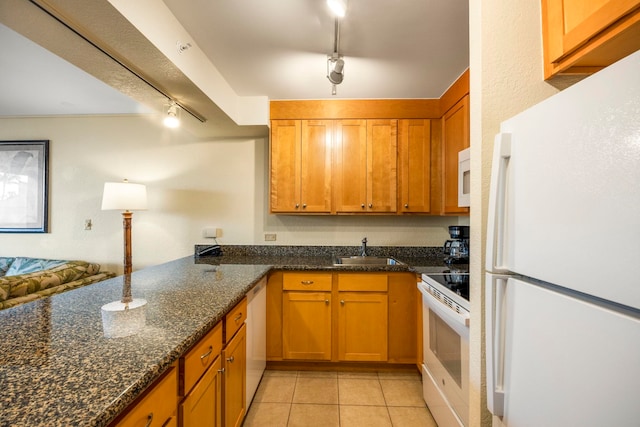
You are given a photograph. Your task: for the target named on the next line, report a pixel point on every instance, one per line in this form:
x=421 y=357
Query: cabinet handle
x=207 y=353
x=326 y=301
x=221 y=371
x=342 y=301
x=370 y=205
x=362 y=205
x=306 y=282
x=149 y=419
x=238 y=317
x=231 y=359
x=406 y=205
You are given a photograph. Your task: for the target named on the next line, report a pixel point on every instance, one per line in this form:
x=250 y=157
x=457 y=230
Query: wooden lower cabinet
x=362 y=327
x=342 y=317
x=203 y=405
x=234 y=361
x=306 y=319
x=214 y=376
x=157 y=406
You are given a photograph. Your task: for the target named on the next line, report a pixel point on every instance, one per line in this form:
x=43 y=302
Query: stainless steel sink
x=365 y=260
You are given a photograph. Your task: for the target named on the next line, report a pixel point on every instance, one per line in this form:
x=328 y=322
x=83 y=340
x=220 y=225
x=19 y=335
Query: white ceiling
x=273 y=48
x=35 y=82
x=279 y=48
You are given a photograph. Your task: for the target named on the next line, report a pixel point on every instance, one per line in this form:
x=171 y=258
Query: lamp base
x=123 y=319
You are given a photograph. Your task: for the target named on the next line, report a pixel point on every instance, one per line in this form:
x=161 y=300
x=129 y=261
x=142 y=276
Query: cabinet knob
x=221 y=371
x=406 y=205
x=230 y=359
x=326 y=301
x=304 y=206
x=149 y=420
x=238 y=317
x=370 y=205
x=297 y=205
x=362 y=205
x=342 y=301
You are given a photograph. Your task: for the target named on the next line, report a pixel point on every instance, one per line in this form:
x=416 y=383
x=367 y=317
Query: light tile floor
x=341 y=399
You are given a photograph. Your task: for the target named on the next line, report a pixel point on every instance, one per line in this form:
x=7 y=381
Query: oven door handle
x=442 y=310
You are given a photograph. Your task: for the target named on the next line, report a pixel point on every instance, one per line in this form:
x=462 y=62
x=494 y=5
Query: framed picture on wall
x=24 y=171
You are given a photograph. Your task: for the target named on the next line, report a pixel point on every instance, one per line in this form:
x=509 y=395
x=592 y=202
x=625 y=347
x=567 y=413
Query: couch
x=27 y=279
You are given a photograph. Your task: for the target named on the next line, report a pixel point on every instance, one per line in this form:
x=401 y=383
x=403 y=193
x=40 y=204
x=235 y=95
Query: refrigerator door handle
x=497 y=215
x=494 y=334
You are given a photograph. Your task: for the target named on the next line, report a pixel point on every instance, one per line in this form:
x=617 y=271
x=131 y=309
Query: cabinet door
x=351 y=166
x=382 y=169
x=588 y=34
x=285 y=165
x=414 y=165
x=362 y=326
x=315 y=184
x=455 y=137
x=403 y=318
x=234 y=365
x=203 y=406
x=306 y=325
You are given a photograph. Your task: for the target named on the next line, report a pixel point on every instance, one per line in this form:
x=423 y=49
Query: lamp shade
x=124 y=196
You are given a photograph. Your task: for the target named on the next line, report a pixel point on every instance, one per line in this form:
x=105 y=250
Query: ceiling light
x=338 y=7
x=335 y=69
x=172 y=120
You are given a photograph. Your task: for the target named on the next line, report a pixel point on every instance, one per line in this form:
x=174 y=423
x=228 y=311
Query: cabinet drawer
x=306 y=281
x=235 y=318
x=201 y=356
x=363 y=282
x=157 y=406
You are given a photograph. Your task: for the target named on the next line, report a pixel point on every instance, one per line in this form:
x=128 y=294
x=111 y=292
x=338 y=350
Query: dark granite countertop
x=58 y=369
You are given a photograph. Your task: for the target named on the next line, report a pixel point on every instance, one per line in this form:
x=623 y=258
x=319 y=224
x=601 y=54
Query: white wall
x=506 y=78
x=191 y=184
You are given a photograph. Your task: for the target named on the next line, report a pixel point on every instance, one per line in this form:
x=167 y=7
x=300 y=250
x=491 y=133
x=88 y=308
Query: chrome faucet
x=363 y=250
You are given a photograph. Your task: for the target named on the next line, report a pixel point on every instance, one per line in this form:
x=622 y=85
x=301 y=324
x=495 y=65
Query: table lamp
x=127 y=316
x=126 y=197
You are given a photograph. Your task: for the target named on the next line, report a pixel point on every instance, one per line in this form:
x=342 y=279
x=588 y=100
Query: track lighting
x=335 y=68
x=172 y=120
x=338 y=7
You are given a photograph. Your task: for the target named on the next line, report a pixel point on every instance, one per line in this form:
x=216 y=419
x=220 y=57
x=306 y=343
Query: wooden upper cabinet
x=414 y=166
x=583 y=36
x=366 y=152
x=350 y=183
x=455 y=138
x=301 y=166
x=382 y=165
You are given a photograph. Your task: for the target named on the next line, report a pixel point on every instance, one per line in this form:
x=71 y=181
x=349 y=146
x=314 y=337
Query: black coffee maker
x=456 y=251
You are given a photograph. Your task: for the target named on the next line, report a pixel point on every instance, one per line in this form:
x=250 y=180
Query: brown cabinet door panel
x=414 y=165
x=351 y=166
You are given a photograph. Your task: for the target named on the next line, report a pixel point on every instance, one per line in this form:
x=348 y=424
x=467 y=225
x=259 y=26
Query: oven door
x=446 y=356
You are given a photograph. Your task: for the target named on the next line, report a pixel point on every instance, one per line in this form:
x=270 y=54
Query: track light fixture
x=335 y=62
x=335 y=68
x=172 y=120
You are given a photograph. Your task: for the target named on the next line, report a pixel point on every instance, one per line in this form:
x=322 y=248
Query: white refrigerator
x=562 y=302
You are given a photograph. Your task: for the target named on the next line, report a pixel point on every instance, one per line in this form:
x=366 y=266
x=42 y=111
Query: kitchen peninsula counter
x=58 y=369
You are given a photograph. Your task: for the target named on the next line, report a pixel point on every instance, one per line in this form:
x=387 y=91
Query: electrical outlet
x=88 y=224
x=270 y=237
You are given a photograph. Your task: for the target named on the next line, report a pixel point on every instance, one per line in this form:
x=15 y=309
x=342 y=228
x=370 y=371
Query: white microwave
x=464 y=178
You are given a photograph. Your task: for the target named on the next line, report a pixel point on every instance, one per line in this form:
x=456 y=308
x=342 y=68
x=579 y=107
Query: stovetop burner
x=454 y=280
